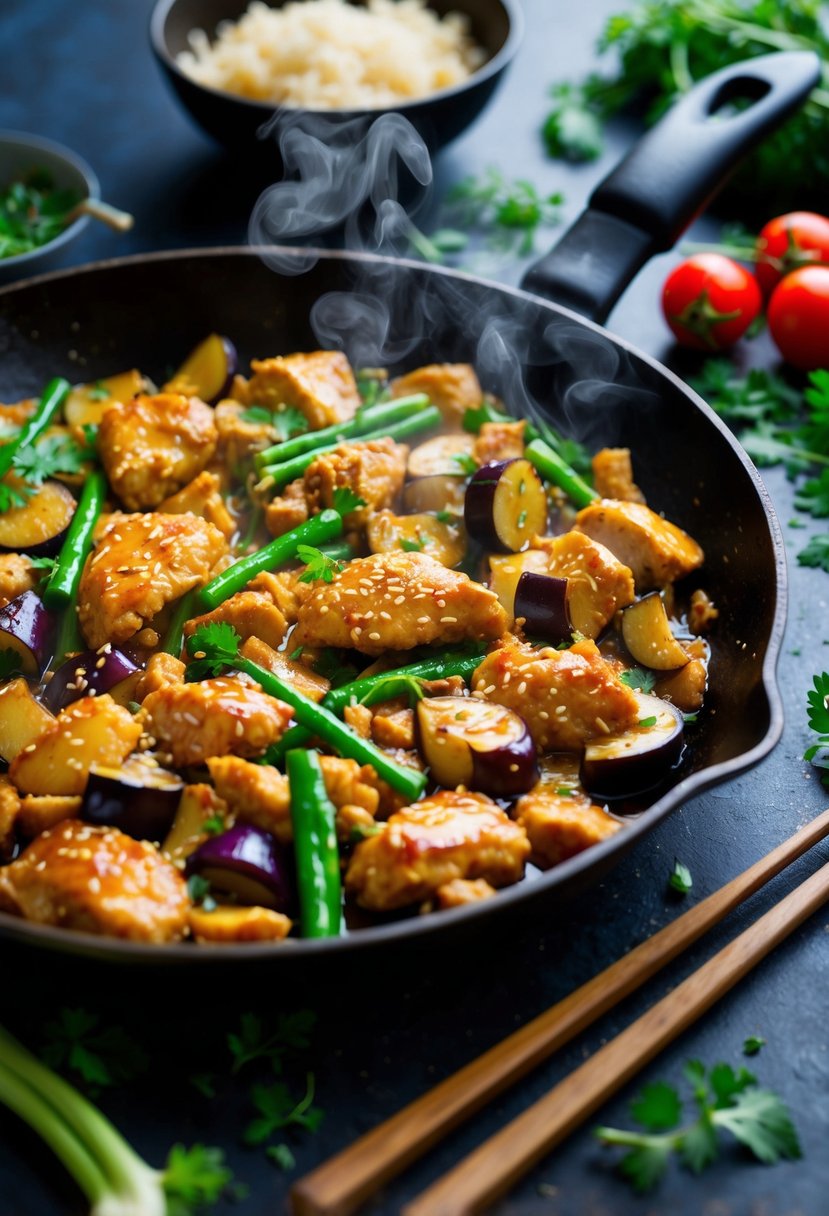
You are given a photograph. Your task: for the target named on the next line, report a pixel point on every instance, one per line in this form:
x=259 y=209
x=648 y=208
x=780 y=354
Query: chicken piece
x=96 y=880
x=423 y=847
x=41 y=811
x=92 y=730
x=152 y=446
x=359 y=719
x=287 y=510
x=202 y=497
x=462 y=891
x=395 y=601
x=141 y=563
x=394 y=729
x=320 y=384
x=9 y=811
x=285 y=589
x=17 y=575
x=162 y=669
x=228 y=925
x=304 y=680
x=452 y=387
x=238 y=436
x=560 y=819
x=251 y=613
x=499 y=441
x=598 y=583
x=701 y=611
x=375 y=471
x=260 y=795
x=565 y=696
x=218 y=717
x=657 y=551
x=613 y=475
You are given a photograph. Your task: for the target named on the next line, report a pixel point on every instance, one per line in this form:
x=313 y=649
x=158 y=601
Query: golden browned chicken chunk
x=287 y=510
x=251 y=613
x=452 y=387
x=285 y=589
x=613 y=475
x=141 y=563
x=9 y=811
x=216 y=717
x=462 y=891
x=239 y=434
x=559 y=825
x=423 y=847
x=499 y=441
x=320 y=384
x=564 y=696
x=375 y=471
x=657 y=551
x=152 y=446
x=96 y=880
x=161 y=669
x=394 y=601
x=16 y=576
x=202 y=497
x=227 y=925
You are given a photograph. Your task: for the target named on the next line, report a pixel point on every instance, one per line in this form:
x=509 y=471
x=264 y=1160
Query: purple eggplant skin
x=637 y=759
x=141 y=802
x=541 y=599
x=247 y=863
x=491 y=751
x=27 y=627
x=88 y=674
x=506 y=771
x=39 y=528
x=231 y=367
x=479 y=506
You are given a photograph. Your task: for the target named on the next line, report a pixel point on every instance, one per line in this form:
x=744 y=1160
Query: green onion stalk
x=315 y=847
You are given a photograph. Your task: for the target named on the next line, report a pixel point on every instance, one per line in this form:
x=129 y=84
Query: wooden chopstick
x=492 y=1168
x=345 y=1181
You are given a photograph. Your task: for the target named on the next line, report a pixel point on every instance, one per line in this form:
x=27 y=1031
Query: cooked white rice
x=328 y=54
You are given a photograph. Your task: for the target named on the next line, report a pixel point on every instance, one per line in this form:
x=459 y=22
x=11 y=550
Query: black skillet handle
x=667 y=178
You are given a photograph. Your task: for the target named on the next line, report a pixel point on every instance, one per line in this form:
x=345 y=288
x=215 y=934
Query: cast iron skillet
x=541 y=357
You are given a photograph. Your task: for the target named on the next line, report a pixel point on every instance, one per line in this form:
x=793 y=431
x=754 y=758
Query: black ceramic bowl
x=496 y=25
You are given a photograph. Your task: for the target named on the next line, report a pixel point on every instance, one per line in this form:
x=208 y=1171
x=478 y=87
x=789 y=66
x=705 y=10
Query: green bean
x=315 y=847
x=550 y=465
x=181 y=614
x=423 y=420
x=371 y=418
x=328 y=525
x=325 y=725
x=62 y=588
x=52 y=398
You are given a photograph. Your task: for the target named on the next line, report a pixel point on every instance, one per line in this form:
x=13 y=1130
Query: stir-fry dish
x=311 y=648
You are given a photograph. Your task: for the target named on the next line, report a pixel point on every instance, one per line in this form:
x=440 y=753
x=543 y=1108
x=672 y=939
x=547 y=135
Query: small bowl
x=234 y=121
x=19 y=154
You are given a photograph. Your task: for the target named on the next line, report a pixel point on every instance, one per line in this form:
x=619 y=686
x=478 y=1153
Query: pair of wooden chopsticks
x=340 y=1185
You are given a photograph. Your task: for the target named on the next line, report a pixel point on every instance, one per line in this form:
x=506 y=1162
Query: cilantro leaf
x=752 y=1044
x=53 y=454
x=14 y=496
x=281 y=1155
x=213 y=646
x=816 y=552
x=194 y=1176
x=645 y=1164
x=699 y=1145
x=318 y=565
x=345 y=500
x=511 y=211
x=760 y=1121
x=277 y=1109
x=813 y=497
x=257 y=415
x=101 y=1056
x=572 y=130
x=253 y=1041
x=638 y=677
x=680 y=879
x=657 y=1107
x=198 y=888
x=288 y=422
x=818 y=704
x=465 y=462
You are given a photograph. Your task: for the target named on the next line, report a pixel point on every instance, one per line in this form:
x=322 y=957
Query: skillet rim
x=108 y=949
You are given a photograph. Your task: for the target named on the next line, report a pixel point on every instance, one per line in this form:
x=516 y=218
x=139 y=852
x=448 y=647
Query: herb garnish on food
x=726 y=1100
x=33 y=211
x=318 y=565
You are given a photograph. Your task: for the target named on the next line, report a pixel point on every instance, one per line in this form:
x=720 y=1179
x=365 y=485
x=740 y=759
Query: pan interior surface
x=543 y=361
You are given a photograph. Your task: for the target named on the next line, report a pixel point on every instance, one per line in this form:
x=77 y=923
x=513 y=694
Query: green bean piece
x=321 y=722
x=423 y=420
x=369 y=419
x=181 y=614
x=381 y=687
x=68 y=640
x=550 y=465
x=52 y=398
x=328 y=525
x=315 y=847
x=62 y=588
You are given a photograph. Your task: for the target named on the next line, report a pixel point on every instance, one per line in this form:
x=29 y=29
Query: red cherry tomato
x=798 y=239
x=798 y=317
x=709 y=301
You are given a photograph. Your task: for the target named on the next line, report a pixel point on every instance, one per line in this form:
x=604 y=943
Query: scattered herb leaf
x=278 y=1109
x=639 y=678
x=194 y=1177
x=680 y=878
x=101 y=1056
x=281 y=1155
x=345 y=500
x=465 y=462
x=647 y=722
x=752 y=1044
x=318 y=565
x=816 y=552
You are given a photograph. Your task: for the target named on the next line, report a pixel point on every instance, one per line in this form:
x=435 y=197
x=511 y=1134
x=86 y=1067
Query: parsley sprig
x=286 y=423
x=345 y=500
x=639 y=678
x=101 y=1056
x=318 y=565
x=510 y=211
x=726 y=1100
x=817 y=700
